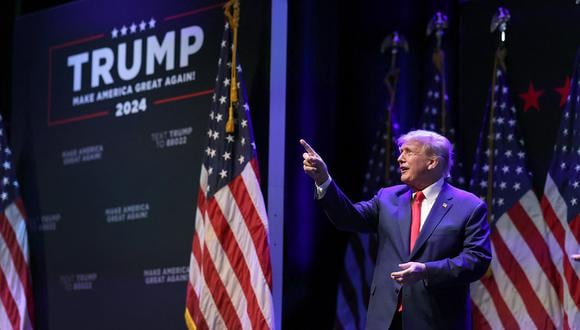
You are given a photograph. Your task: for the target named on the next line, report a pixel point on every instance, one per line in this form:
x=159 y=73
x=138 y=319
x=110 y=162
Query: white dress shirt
x=431 y=193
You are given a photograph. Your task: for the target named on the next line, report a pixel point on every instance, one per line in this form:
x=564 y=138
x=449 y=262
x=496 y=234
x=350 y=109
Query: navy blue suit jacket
x=453 y=244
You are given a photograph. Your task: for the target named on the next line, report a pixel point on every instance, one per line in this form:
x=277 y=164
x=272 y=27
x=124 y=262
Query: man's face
x=414 y=163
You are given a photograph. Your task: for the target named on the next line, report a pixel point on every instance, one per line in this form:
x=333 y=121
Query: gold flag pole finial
x=437 y=26
x=232 y=12
x=392 y=45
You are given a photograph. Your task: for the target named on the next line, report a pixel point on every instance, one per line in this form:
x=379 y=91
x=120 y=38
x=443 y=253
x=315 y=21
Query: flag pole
x=232 y=12
x=436 y=26
x=393 y=42
x=498 y=22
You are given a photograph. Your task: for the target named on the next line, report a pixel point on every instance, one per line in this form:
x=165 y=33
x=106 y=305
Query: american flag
x=361 y=250
x=521 y=289
x=436 y=115
x=16 y=304
x=561 y=205
x=230 y=278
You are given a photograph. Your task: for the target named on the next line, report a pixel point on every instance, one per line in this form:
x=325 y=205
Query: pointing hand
x=313 y=164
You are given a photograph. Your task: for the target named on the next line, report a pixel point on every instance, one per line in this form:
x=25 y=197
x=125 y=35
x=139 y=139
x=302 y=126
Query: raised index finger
x=308 y=148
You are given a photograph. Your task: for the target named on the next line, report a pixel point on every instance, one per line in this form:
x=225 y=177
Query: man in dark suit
x=433 y=237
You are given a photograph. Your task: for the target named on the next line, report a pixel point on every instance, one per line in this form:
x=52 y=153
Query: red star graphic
x=564 y=91
x=531 y=98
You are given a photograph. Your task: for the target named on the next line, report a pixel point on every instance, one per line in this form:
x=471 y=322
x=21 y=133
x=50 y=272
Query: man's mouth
x=403 y=169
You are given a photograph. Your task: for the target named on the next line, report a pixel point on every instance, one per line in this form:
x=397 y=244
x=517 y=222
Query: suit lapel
x=404 y=221
x=442 y=205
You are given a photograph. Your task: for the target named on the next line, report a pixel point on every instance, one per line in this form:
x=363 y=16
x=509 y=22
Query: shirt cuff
x=321 y=190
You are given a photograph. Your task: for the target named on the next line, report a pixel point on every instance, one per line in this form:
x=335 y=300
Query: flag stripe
x=193 y=304
x=538 y=246
x=13 y=229
x=519 y=279
x=252 y=279
x=560 y=233
x=503 y=311
x=360 y=256
x=15 y=265
x=479 y=320
x=8 y=303
x=252 y=218
x=235 y=256
x=219 y=294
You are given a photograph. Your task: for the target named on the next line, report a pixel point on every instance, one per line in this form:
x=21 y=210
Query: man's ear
x=433 y=163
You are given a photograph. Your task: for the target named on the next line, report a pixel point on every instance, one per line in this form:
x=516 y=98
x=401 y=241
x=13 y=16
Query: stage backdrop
x=110 y=107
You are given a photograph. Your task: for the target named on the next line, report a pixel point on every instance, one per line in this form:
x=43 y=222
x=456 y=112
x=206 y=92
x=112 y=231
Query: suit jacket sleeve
x=346 y=215
x=474 y=259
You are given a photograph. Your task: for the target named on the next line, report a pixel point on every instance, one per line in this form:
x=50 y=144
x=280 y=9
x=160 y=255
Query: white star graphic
x=517 y=186
x=246 y=107
x=223 y=174
x=230 y=138
x=216 y=135
x=123 y=30
x=227 y=155
x=226 y=82
x=219 y=117
x=142 y=26
x=244 y=123
x=212 y=153
x=241 y=159
x=222 y=100
x=152 y=22
x=133 y=28
x=6 y=165
x=114 y=33
x=210 y=171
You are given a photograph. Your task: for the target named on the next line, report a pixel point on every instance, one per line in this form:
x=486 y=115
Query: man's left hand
x=411 y=272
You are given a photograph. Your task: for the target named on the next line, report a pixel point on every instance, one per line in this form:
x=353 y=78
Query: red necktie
x=415 y=226
x=415 y=218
